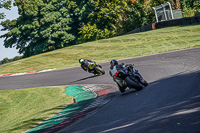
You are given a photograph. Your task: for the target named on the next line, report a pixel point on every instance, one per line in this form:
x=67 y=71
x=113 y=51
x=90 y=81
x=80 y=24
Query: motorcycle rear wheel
x=133 y=84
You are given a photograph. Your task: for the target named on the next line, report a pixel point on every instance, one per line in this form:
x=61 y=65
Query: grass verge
x=139 y=44
x=22 y=109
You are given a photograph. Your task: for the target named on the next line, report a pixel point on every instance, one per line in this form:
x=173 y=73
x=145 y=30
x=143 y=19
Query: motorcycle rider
x=114 y=68
x=118 y=76
x=85 y=65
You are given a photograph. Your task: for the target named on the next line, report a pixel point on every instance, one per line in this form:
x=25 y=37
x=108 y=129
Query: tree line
x=6 y=60
x=45 y=25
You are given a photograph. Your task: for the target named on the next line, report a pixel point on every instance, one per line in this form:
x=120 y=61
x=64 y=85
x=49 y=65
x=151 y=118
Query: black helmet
x=113 y=62
x=81 y=60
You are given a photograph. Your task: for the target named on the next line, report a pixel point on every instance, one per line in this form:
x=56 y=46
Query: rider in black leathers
x=118 y=76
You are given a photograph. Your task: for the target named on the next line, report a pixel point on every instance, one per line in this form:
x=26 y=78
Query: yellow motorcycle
x=91 y=67
x=95 y=69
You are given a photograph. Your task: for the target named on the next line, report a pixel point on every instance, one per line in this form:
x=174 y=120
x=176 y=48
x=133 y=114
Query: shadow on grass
x=25 y=125
x=66 y=117
x=57 y=108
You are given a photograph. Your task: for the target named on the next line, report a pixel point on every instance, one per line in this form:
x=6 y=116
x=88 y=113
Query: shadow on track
x=89 y=77
x=129 y=91
x=167 y=105
x=170 y=105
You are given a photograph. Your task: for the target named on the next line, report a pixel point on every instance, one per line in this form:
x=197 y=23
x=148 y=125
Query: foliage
x=92 y=33
x=135 y=15
x=191 y=12
x=190 y=4
x=102 y=18
x=4 y=4
x=191 y=8
x=79 y=14
x=118 y=17
x=6 y=60
x=43 y=25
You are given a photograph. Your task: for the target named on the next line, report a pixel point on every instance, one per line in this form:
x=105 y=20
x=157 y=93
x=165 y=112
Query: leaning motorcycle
x=131 y=77
x=95 y=69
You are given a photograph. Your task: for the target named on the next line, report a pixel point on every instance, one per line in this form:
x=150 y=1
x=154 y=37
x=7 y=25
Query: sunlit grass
x=23 y=109
x=139 y=44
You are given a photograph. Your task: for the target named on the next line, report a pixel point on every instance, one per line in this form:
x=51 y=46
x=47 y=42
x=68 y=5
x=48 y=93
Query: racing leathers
x=85 y=65
x=118 y=76
x=120 y=82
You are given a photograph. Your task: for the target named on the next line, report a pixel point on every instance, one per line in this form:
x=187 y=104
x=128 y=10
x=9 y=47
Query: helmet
x=113 y=62
x=81 y=60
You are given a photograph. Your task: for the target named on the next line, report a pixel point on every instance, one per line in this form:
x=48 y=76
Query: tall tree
x=4 y=4
x=113 y=17
x=79 y=15
x=102 y=17
x=43 y=25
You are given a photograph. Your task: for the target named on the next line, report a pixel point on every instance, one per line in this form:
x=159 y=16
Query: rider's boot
x=121 y=88
x=120 y=84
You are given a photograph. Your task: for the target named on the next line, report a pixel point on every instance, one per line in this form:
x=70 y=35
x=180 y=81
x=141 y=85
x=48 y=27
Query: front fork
x=121 y=82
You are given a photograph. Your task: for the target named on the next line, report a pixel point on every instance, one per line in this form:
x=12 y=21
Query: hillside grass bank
x=126 y=46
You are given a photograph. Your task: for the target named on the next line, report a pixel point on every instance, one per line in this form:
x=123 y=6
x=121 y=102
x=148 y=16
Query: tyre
x=99 y=70
x=145 y=83
x=133 y=84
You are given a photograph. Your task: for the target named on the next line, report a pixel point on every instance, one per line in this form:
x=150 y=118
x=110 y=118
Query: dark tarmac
x=170 y=104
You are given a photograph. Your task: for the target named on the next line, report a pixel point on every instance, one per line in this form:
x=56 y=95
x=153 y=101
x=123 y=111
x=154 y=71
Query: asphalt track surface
x=170 y=104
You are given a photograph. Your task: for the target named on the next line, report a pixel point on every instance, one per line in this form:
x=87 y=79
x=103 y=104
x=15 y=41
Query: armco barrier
x=169 y=23
x=178 y=22
x=141 y=29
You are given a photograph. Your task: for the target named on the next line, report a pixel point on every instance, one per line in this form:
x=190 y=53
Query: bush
x=191 y=12
x=92 y=33
x=6 y=60
x=17 y=58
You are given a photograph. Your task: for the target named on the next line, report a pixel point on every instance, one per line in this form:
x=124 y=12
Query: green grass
x=22 y=109
x=139 y=44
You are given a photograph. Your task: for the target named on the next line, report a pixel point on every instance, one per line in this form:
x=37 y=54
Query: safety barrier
x=178 y=22
x=175 y=22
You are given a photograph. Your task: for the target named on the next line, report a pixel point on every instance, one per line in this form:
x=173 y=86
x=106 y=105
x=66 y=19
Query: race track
x=171 y=102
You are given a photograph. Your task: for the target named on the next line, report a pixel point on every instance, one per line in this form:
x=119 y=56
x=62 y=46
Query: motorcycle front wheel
x=145 y=83
x=99 y=70
x=133 y=84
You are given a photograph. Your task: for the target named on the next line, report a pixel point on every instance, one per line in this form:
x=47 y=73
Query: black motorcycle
x=132 y=77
